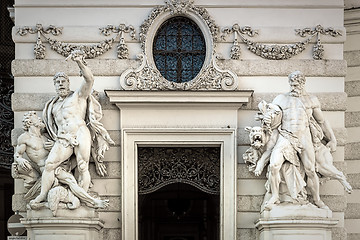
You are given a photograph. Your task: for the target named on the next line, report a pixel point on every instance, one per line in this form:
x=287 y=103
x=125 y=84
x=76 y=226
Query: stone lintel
x=115 y=67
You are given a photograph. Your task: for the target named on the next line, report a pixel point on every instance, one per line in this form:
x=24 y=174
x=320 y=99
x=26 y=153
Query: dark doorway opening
x=179 y=212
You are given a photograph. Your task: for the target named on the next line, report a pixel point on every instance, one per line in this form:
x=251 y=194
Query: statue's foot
x=98 y=203
x=35 y=205
x=322 y=205
x=272 y=201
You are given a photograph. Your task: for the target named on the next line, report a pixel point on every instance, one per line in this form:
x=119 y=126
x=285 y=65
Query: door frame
x=134 y=137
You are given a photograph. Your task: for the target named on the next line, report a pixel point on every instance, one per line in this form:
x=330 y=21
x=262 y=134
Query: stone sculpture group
x=69 y=135
x=295 y=141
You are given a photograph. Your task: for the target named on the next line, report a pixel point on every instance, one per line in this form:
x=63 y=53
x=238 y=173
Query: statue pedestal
x=78 y=224
x=295 y=222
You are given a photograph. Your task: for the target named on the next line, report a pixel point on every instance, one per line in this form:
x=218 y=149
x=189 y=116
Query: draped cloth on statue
x=99 y=135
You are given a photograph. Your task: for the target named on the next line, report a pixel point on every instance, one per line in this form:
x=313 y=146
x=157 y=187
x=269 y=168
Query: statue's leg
x=57 y=155
x=307 y=157
x=82 y=152
x=276 y=161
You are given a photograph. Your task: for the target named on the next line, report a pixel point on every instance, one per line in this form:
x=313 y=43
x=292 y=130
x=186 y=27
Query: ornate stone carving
x=122 y=49
x=39 y=48
x=6 y=124
x=197 y=166
x=75 y=136
x=297 y=140
x=146 y=77
x=177 y=7
x=278 y=52
x=90 y=51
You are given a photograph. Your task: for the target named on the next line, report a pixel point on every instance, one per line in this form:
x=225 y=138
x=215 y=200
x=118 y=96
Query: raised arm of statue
x=85 y=89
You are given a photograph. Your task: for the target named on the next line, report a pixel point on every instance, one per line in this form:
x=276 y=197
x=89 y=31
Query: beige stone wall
x=275 y=21
x=352 y=117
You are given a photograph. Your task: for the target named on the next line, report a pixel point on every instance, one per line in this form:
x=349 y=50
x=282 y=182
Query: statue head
x=62 y=84
x=297 y=83
x=31 y=119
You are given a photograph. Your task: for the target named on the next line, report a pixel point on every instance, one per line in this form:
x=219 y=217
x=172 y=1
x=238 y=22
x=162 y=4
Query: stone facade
x=351 y=55
x=275 y=22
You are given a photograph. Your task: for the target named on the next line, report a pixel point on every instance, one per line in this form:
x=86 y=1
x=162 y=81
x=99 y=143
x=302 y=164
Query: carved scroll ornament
x=147 y=77
x=161 y=166
x=278 y=52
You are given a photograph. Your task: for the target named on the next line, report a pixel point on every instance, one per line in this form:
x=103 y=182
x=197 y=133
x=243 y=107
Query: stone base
x=295 y=222
x=78 y=224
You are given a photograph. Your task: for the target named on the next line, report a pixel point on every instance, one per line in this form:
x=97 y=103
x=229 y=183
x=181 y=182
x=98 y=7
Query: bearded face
x=38 y=122
x=296 y=88
x=62 y=87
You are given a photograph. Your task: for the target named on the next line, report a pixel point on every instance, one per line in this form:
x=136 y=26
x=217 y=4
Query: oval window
x=179 y=49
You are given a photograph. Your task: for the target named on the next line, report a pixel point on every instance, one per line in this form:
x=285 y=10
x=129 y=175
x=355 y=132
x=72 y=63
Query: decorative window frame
x=148 y=77
x=193 y=13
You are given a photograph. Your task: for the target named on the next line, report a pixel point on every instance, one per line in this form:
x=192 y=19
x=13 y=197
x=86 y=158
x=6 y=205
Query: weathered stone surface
x=353 y=236
x=111 y=233
x=352 y=151
x=352 y=58
x=352 y=119
x=354 y=180
x=329 y=101
x=18 y=202
x=334 y=202
x=328 y=68
x=114 y=67
x=352 y=88
x=352 y=211
x=113 y=170
x=338 y=233
x=99 y=67
x=249 y=203
x=247 y=234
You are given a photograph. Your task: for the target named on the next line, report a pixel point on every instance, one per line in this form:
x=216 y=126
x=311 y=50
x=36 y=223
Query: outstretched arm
x=85 y=89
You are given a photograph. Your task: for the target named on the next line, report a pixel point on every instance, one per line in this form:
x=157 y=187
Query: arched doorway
x=179 y=212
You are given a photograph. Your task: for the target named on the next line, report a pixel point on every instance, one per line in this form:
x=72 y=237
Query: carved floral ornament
x=161 y=166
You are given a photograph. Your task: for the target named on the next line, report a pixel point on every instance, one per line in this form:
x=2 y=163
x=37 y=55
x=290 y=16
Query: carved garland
x=278 y=52
x=161 y=166
x=91 y=51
